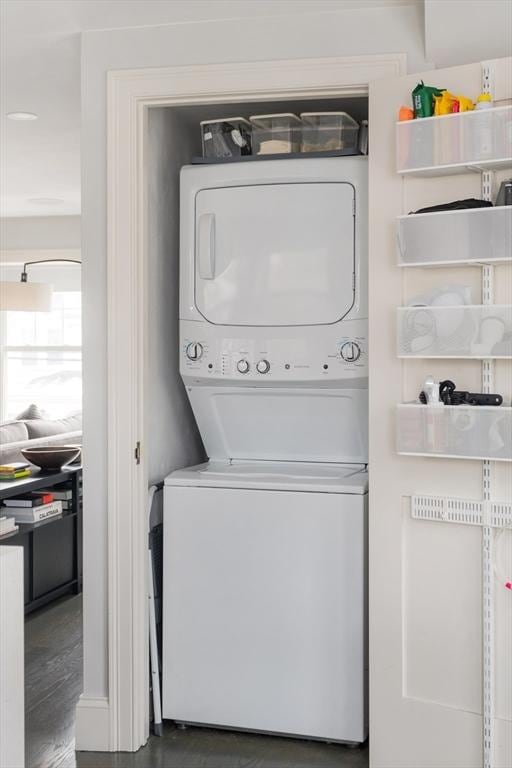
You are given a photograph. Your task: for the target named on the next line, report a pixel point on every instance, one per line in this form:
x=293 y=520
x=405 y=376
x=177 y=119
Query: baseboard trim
x=92 y=724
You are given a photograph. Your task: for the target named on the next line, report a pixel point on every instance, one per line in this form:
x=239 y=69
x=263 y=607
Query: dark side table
x=52 y=548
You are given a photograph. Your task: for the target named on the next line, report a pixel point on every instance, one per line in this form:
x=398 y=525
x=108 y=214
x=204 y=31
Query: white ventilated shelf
x=455 y=431
x=480 y=140
x=445 y=238
x=466 y=331
x=497 y=514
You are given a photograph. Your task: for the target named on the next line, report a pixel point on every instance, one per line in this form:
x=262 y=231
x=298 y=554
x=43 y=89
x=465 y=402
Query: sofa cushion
x=45 y=427
x=12 y=451
x=13 y=432
x=32 y=412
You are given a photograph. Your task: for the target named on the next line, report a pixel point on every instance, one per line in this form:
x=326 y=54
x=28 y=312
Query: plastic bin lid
x=226 y=120
x=261 y=121
x=309 y=117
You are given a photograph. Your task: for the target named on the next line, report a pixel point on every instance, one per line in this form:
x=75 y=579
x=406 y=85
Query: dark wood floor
x=53 y=652
x=205 y=748
x=53 y=683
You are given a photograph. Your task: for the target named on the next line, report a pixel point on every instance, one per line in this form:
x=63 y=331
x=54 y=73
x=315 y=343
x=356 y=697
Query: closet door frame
x=130 y=95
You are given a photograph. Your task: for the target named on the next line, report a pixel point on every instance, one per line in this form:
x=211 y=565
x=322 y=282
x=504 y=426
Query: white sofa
x=37 y=431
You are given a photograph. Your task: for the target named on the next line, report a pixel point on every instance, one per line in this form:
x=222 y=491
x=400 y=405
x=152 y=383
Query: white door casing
x=130 y=94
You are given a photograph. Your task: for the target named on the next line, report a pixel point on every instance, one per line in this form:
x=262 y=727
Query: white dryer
x=264 y=622
x=273 y=308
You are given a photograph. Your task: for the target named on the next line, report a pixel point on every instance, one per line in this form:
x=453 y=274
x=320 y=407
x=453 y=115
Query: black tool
x=451 y=396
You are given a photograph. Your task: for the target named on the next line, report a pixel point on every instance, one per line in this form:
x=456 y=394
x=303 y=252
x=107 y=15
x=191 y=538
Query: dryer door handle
x=206 y=246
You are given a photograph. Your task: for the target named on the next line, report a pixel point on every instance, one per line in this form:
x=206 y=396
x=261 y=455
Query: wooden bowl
x=51 y=457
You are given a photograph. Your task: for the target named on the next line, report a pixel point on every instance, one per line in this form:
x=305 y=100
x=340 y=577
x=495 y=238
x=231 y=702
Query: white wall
x=12 y=662
x=62 y=277
x=458 y=32
x=173 y=438
x=395 y=29
x=39 y=233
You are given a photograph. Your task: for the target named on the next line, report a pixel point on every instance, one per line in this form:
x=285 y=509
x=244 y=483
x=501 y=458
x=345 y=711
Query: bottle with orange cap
x=405 y=113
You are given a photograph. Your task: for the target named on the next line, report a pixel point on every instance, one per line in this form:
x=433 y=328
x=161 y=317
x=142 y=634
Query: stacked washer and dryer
x=265 y=545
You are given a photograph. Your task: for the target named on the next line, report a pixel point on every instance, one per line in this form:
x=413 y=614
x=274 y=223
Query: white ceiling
x=40 y=72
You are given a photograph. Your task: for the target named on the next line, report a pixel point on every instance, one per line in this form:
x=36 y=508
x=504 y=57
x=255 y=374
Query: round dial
x=263 y=366
x=350 y=351
x=243 y=366
x=194 y=350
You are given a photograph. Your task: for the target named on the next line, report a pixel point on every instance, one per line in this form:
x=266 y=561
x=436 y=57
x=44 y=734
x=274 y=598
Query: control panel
x=287 y=354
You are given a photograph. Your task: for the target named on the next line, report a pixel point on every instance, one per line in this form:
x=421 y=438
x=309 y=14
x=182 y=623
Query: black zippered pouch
x=456 y=205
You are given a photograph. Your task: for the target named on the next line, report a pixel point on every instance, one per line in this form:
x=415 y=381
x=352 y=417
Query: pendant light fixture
x=29 y=297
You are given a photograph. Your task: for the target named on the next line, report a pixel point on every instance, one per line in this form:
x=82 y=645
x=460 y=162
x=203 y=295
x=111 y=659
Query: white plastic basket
x=474 y=331
x=455 y=431
x=474 y=235
x=481 y=139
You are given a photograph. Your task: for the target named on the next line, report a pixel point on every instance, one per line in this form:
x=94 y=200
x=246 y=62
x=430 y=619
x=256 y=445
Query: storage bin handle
x=207 y=246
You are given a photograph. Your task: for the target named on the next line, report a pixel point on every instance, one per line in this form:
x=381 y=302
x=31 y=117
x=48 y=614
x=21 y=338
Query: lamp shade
x=25 y=297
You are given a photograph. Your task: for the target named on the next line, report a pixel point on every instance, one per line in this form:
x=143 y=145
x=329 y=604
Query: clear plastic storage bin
x=481 y=235
x=275 y=134
x=226 y=137
x=455 y=431
x=458 y=331
x=328 y=131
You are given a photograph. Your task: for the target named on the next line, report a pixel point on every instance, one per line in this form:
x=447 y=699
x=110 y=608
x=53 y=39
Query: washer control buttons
x=243 y=366
x=263 y=366
x=350 y=351
x=194 y=350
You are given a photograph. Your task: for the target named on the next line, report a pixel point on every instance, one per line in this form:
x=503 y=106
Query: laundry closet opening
x=174 y=140
x=257 y=363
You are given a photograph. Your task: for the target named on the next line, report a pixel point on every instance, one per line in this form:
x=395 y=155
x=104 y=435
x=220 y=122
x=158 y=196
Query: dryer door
x=275 y=254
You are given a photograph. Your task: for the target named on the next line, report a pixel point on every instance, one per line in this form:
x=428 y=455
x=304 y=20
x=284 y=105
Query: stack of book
x=7 y=525
x=15 y=471
x=65 y=496
x=33 y=507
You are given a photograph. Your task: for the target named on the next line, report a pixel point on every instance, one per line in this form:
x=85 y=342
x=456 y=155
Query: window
x=42 y=358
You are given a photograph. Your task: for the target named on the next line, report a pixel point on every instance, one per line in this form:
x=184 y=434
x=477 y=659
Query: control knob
x=243 y=366
x=194 y=350
x=263 y=366
x=350 y=351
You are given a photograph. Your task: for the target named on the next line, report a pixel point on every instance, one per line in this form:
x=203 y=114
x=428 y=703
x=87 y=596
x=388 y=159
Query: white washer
x=265 y=546
x=264 y=598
